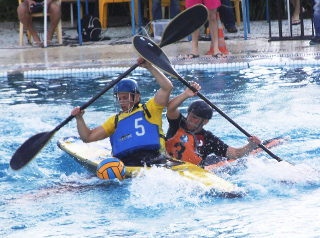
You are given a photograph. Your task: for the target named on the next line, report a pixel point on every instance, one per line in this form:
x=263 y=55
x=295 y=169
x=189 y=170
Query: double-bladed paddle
x=179 y=27
x=151 y=52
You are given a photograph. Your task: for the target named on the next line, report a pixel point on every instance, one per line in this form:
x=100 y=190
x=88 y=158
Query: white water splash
x=263 y=175
x=159 y=187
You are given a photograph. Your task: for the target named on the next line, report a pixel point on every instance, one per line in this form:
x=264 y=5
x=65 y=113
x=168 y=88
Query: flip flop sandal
x=37 y=43
x=295 y=22
x=219 y=56
x=190 y=56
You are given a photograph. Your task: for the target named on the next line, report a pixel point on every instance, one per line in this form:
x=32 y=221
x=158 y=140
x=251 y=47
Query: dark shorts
x=144 y=157
x=212 y=159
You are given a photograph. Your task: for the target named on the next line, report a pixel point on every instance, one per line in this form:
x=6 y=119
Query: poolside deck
x=119 y=52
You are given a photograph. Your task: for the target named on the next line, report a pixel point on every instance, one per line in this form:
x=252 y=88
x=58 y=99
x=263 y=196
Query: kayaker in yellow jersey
x=188 y=141
x=135 y=132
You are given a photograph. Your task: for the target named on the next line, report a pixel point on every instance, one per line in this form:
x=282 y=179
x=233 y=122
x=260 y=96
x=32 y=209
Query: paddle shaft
x=226 y=116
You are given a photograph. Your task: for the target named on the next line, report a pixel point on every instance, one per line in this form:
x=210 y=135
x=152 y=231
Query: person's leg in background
x=226 y=11
x=213 y=27
x=26 y=19
x=54 y=9
x=316 y=21
x=194 y=53
x=194 y=43
x=174 y=8
x=156 y=10
x=212 y=6
x=296 y=14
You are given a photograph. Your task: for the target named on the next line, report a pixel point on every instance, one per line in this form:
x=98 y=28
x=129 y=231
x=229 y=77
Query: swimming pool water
x=55 y=197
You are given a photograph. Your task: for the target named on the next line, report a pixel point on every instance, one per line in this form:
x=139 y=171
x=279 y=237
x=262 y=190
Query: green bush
x=8 y=10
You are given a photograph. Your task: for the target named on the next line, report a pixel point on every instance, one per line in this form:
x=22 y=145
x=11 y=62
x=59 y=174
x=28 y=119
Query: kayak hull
x=89 y=155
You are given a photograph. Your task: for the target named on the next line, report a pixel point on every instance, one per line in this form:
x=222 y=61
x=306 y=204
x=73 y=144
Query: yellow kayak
x=91 y=154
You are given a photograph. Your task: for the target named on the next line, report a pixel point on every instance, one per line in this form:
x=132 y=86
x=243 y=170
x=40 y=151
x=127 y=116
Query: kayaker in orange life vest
x=188 y=141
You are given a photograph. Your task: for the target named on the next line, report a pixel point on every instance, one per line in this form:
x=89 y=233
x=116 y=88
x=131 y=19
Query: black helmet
x=200 y=109
x=126 y=85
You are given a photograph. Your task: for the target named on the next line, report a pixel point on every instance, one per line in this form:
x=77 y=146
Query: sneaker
x=315 y=40
x=232 y=29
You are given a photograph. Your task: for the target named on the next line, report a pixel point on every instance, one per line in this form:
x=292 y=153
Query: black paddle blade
x=184 y=24
x=151 y=52
x=29 y=149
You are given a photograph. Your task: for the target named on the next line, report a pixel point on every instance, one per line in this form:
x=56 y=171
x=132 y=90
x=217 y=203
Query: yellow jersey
x=155 y=111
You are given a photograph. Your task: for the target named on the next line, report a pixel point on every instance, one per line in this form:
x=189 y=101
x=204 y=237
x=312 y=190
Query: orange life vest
x=183 y=146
